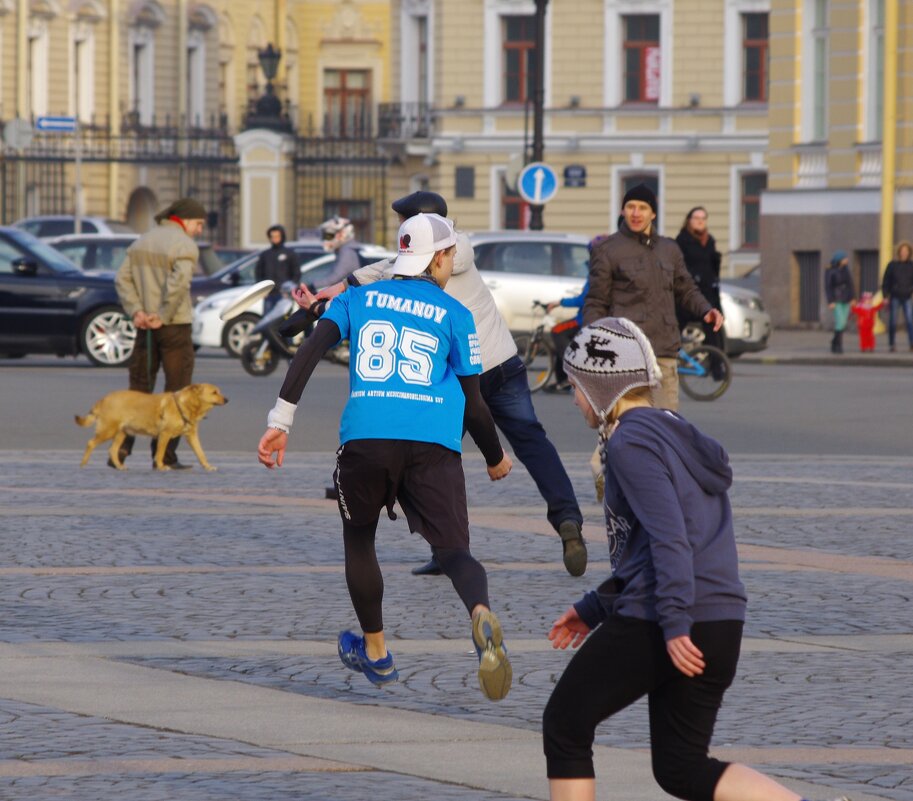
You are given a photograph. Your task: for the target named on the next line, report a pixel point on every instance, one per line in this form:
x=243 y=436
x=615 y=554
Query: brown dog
x=164 y=415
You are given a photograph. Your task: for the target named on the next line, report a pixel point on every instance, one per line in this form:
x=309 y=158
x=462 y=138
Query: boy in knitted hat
x=668 y=623
x=415 y=362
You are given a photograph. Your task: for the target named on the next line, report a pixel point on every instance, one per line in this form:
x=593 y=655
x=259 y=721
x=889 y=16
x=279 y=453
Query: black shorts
x=426 y=478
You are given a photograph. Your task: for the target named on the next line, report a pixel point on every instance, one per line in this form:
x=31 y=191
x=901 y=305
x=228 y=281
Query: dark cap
x=838 y=257
x=186 y=208
x=643 y=193
x=420 y=203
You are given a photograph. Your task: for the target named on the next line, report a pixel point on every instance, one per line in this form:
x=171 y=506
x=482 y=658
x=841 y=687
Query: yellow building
x=161 y=87
x=841 y=147
x=673 y=94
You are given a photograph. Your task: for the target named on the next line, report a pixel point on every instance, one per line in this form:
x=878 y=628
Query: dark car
x=49 y=305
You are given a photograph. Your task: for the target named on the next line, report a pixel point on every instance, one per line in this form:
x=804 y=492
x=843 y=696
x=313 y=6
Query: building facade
x=673 y=94
x=840 y=174
x=162 y=87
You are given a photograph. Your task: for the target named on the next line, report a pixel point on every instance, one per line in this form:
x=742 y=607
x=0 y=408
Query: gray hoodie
x=669 y=525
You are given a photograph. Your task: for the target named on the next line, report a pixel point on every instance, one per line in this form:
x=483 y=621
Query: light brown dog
x=164 y=415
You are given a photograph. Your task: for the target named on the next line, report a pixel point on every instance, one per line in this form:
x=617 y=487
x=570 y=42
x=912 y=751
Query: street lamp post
x=535 y=212
x=268 y=109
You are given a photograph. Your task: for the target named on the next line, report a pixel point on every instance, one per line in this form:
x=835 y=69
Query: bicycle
x=536 y=349
x=704 y=372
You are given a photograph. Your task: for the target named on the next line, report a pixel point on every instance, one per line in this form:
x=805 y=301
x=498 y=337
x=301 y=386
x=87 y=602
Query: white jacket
x=466 y=286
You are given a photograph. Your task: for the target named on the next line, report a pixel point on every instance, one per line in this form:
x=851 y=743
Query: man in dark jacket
x=638 y=274
x=703 y=262
x=897 y=287
x=277 y=263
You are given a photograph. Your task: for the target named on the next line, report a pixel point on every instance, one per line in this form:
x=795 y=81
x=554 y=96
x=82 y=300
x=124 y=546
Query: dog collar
x=180 y=410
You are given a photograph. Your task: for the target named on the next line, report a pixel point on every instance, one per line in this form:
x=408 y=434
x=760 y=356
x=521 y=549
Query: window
x=641 y=58
x=421 y=30
x=82 y=83
x=809 y=264
x=142 y=77
x=196 y=80
x=514 y=209
x=519 y=59
x=37 y=68
x=875 y=72
x=814 y=71
x=347 y=103
x=752 y=185
x=8 y=254
x=358 y=213
x=755 y=57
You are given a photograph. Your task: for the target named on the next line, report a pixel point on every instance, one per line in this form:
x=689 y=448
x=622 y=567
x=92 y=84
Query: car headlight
x=748 y=303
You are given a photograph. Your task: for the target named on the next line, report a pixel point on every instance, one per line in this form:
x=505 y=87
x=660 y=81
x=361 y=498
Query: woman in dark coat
x=703 y=262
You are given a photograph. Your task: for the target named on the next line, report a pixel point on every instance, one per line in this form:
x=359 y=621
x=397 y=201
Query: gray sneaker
x=495 y=672
x=574 y=547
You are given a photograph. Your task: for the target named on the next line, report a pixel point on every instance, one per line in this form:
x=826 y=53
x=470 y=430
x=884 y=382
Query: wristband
x=281 y=416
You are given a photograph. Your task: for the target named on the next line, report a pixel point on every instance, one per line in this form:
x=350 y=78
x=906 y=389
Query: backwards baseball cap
x=420 y=237
x=607 y=359
x=643 y=193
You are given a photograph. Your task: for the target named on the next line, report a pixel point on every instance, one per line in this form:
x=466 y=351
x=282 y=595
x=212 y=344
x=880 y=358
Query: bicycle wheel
x=704 y=372
x=538 y=356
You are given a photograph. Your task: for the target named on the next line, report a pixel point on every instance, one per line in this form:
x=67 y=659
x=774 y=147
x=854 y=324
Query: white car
x=522 y=266
x=209 y=331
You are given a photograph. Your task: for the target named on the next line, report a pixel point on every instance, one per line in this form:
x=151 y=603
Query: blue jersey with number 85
x=408 y=343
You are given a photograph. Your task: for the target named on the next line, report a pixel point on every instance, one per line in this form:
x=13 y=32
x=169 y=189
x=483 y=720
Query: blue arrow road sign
x=537 y=183
x=61 y=124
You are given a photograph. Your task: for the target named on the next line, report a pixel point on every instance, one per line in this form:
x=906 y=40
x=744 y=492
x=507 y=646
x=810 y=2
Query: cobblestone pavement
x=236 y=576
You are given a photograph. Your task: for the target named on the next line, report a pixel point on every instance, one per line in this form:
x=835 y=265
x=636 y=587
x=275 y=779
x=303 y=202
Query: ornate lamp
x=268 y=109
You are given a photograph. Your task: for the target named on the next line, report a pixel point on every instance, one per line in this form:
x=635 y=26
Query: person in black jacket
x=703 y=262
x=277 y=263
x=840 y=293
x=897 y=287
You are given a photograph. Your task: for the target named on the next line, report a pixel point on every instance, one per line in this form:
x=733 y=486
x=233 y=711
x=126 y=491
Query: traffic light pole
x=535 y=216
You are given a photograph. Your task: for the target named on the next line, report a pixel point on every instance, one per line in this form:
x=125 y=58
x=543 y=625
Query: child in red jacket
x=865 y=312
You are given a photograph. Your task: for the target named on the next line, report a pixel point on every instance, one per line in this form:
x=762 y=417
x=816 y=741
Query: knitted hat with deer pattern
x=607 y=358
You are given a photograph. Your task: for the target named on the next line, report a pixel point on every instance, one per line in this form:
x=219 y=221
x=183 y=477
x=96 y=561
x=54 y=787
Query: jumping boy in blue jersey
x=414 y=367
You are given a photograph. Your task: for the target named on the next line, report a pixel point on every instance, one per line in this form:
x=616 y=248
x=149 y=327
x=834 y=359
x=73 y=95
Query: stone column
x=267 y=183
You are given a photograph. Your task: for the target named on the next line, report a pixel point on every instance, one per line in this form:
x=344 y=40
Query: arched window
x=85 y=16
x=145 y=19
x=201 y=20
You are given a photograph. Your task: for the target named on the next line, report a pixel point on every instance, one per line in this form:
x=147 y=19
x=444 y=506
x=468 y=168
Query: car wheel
x=107 y=337
x=236 y=333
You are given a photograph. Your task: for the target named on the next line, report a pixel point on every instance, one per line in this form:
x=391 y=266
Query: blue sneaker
x=352 y=653
x=495 y=672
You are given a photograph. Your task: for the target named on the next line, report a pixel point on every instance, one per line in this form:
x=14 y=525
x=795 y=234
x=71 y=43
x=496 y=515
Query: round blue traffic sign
x=537 y=183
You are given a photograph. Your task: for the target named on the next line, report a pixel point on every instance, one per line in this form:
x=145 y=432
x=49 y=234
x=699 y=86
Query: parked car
x=522 y=266
x=94 y=252
x=211 y=332
x=48 y=225
x=49 y=305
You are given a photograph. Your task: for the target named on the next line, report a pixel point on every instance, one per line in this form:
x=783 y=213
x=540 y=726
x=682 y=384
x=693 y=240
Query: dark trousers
x=506 y=391
x=169 y=348
x=623 y=660
x=562 y=334
x=905 y=306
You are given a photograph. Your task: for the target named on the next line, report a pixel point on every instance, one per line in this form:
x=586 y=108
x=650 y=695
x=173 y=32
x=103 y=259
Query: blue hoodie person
x=668 y=622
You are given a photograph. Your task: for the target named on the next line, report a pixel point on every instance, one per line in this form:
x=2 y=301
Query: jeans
x=907 y=306
x=506 y=391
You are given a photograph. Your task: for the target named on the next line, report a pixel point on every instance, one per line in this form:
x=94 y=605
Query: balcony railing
x=405 y=121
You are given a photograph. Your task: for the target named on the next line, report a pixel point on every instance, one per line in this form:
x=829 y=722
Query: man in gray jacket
x=153 y=285
x=638 y=274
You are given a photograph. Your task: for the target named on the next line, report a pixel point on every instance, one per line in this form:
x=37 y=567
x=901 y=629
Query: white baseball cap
x=420 y=237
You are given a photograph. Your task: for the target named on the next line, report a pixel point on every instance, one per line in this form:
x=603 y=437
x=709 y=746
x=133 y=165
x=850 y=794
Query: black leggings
x=366 y=583
x=623 y=660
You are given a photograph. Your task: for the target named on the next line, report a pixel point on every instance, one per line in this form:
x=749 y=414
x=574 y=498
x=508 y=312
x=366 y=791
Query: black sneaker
x=431 y=568
x=574 y=547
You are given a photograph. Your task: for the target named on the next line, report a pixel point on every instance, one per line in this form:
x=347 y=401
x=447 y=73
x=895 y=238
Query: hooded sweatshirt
x=669 y=525
x=278 y=263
